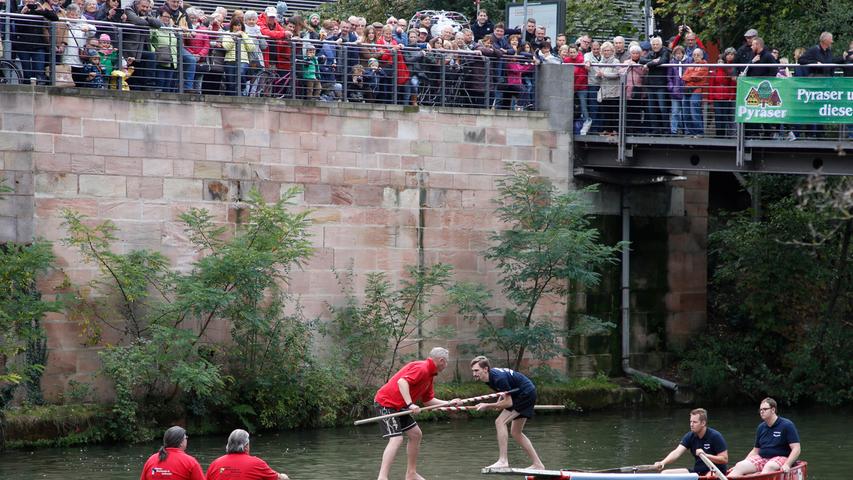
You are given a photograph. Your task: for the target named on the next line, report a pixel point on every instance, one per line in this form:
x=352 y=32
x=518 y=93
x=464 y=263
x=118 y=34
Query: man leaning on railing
x=31 y=38
x=136 y=43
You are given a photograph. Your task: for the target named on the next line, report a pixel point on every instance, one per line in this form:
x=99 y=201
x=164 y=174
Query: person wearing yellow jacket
x=237 y=40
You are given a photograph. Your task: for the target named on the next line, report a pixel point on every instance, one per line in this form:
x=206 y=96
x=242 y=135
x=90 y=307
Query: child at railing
x=514 y=85
x=92 y=72
x=108 y=54
x=310 y=72
x=119 y=76
x=358 y=90
x=373 y=79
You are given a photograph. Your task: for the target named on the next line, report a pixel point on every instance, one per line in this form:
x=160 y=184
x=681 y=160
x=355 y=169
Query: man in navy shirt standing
x=777 y=444
x=700 y=438
x=516 y=407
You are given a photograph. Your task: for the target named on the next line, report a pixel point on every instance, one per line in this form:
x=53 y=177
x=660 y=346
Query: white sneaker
x=791 y=136
x=586 y=126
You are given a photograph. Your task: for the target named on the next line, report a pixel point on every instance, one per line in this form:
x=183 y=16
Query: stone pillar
x=687 y=299
x=554 y=95
x=16 y=168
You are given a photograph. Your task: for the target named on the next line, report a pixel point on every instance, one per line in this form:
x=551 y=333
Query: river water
x=458 y=448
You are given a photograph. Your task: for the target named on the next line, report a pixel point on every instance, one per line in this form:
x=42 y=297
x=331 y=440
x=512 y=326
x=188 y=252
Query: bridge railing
x=696 y=103
x=689 y=101
x=68 y=53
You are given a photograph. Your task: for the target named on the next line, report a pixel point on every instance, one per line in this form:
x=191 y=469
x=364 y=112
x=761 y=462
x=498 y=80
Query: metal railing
x=689 y=103
x=68 y=53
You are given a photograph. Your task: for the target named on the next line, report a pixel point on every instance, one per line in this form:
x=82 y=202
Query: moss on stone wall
x=55 y=425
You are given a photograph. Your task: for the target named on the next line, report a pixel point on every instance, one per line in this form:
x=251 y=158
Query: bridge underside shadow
x=829 y=157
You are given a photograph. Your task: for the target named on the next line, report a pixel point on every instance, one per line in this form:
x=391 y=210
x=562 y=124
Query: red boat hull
x=798 y=472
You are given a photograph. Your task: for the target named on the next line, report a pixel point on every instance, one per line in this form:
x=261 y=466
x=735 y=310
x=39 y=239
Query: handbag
x=203 y=66
x=164 y=54
x=256 y=59
x=599 y=96
x=63 y=76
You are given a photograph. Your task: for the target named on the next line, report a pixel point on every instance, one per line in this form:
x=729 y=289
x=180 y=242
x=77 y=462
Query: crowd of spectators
x=670 y=88
x=674 y=88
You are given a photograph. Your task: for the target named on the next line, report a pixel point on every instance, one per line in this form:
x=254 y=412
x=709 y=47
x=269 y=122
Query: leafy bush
x=166 y=359
x=23 y=341
x=780 y=297
x=388 y=318
x=548 y=247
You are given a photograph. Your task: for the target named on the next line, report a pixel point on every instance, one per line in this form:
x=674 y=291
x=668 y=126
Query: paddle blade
x=629 y=469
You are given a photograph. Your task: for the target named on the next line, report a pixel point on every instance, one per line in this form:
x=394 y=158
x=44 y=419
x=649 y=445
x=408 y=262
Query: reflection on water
x=458 y=449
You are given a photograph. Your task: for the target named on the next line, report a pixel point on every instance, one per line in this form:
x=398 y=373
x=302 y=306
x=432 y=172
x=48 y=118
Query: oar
x=628 y=469
x=470 y=408
x=434 y=407
x=711 y=465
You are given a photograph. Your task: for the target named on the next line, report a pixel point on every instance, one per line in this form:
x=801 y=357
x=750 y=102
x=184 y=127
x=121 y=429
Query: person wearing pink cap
x=108 y=54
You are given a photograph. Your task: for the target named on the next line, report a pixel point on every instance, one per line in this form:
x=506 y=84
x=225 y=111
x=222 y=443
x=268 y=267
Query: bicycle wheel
x=10 y=74
x=267 y=85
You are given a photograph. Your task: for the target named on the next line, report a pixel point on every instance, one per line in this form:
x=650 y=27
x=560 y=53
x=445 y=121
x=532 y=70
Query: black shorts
x=524 y=404
x=394 y=426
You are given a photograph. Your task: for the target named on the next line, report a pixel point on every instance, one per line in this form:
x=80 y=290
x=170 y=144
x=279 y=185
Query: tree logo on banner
x=764 y=96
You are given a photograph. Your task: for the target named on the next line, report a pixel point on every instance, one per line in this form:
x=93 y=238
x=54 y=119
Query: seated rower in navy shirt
x=700 y=438
x=516 y=407
x=777 y=444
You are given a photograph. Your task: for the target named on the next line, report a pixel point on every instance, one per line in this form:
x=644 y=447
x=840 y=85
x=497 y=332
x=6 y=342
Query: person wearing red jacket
x=581 y=83
x=171 y=461
x=722 y=91
x=277 y=55
x=386 y=60
x=197 y=42
x=691 y=42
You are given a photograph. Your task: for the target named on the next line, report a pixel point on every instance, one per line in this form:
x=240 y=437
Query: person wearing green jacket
x=108 y=54
x=164 y=44
x=238 y=39
x=310 y=72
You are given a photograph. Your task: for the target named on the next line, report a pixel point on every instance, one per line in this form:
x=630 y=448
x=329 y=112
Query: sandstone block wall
x=140 y=162
x=368 y=173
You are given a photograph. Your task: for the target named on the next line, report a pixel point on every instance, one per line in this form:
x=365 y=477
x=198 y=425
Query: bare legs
x=412 y=450
x=516 y=430
x=505 y=417
x=745 y=467
x=526 y=445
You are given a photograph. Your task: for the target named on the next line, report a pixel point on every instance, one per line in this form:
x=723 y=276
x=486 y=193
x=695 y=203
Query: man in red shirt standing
x=237 y=464
x=413 y=383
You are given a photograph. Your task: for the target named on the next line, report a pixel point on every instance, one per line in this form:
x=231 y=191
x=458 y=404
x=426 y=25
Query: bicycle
x=11 y=74
x=268 y=83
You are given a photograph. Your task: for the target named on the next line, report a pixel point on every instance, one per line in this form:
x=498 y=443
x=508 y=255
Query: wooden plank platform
x=523 y=471
x=576 y=475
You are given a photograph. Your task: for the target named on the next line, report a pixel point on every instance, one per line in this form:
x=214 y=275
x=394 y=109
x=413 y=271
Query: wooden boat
x=798 y=472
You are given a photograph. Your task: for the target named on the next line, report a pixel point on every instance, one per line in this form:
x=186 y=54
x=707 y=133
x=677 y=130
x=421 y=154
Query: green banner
x=794 y=100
